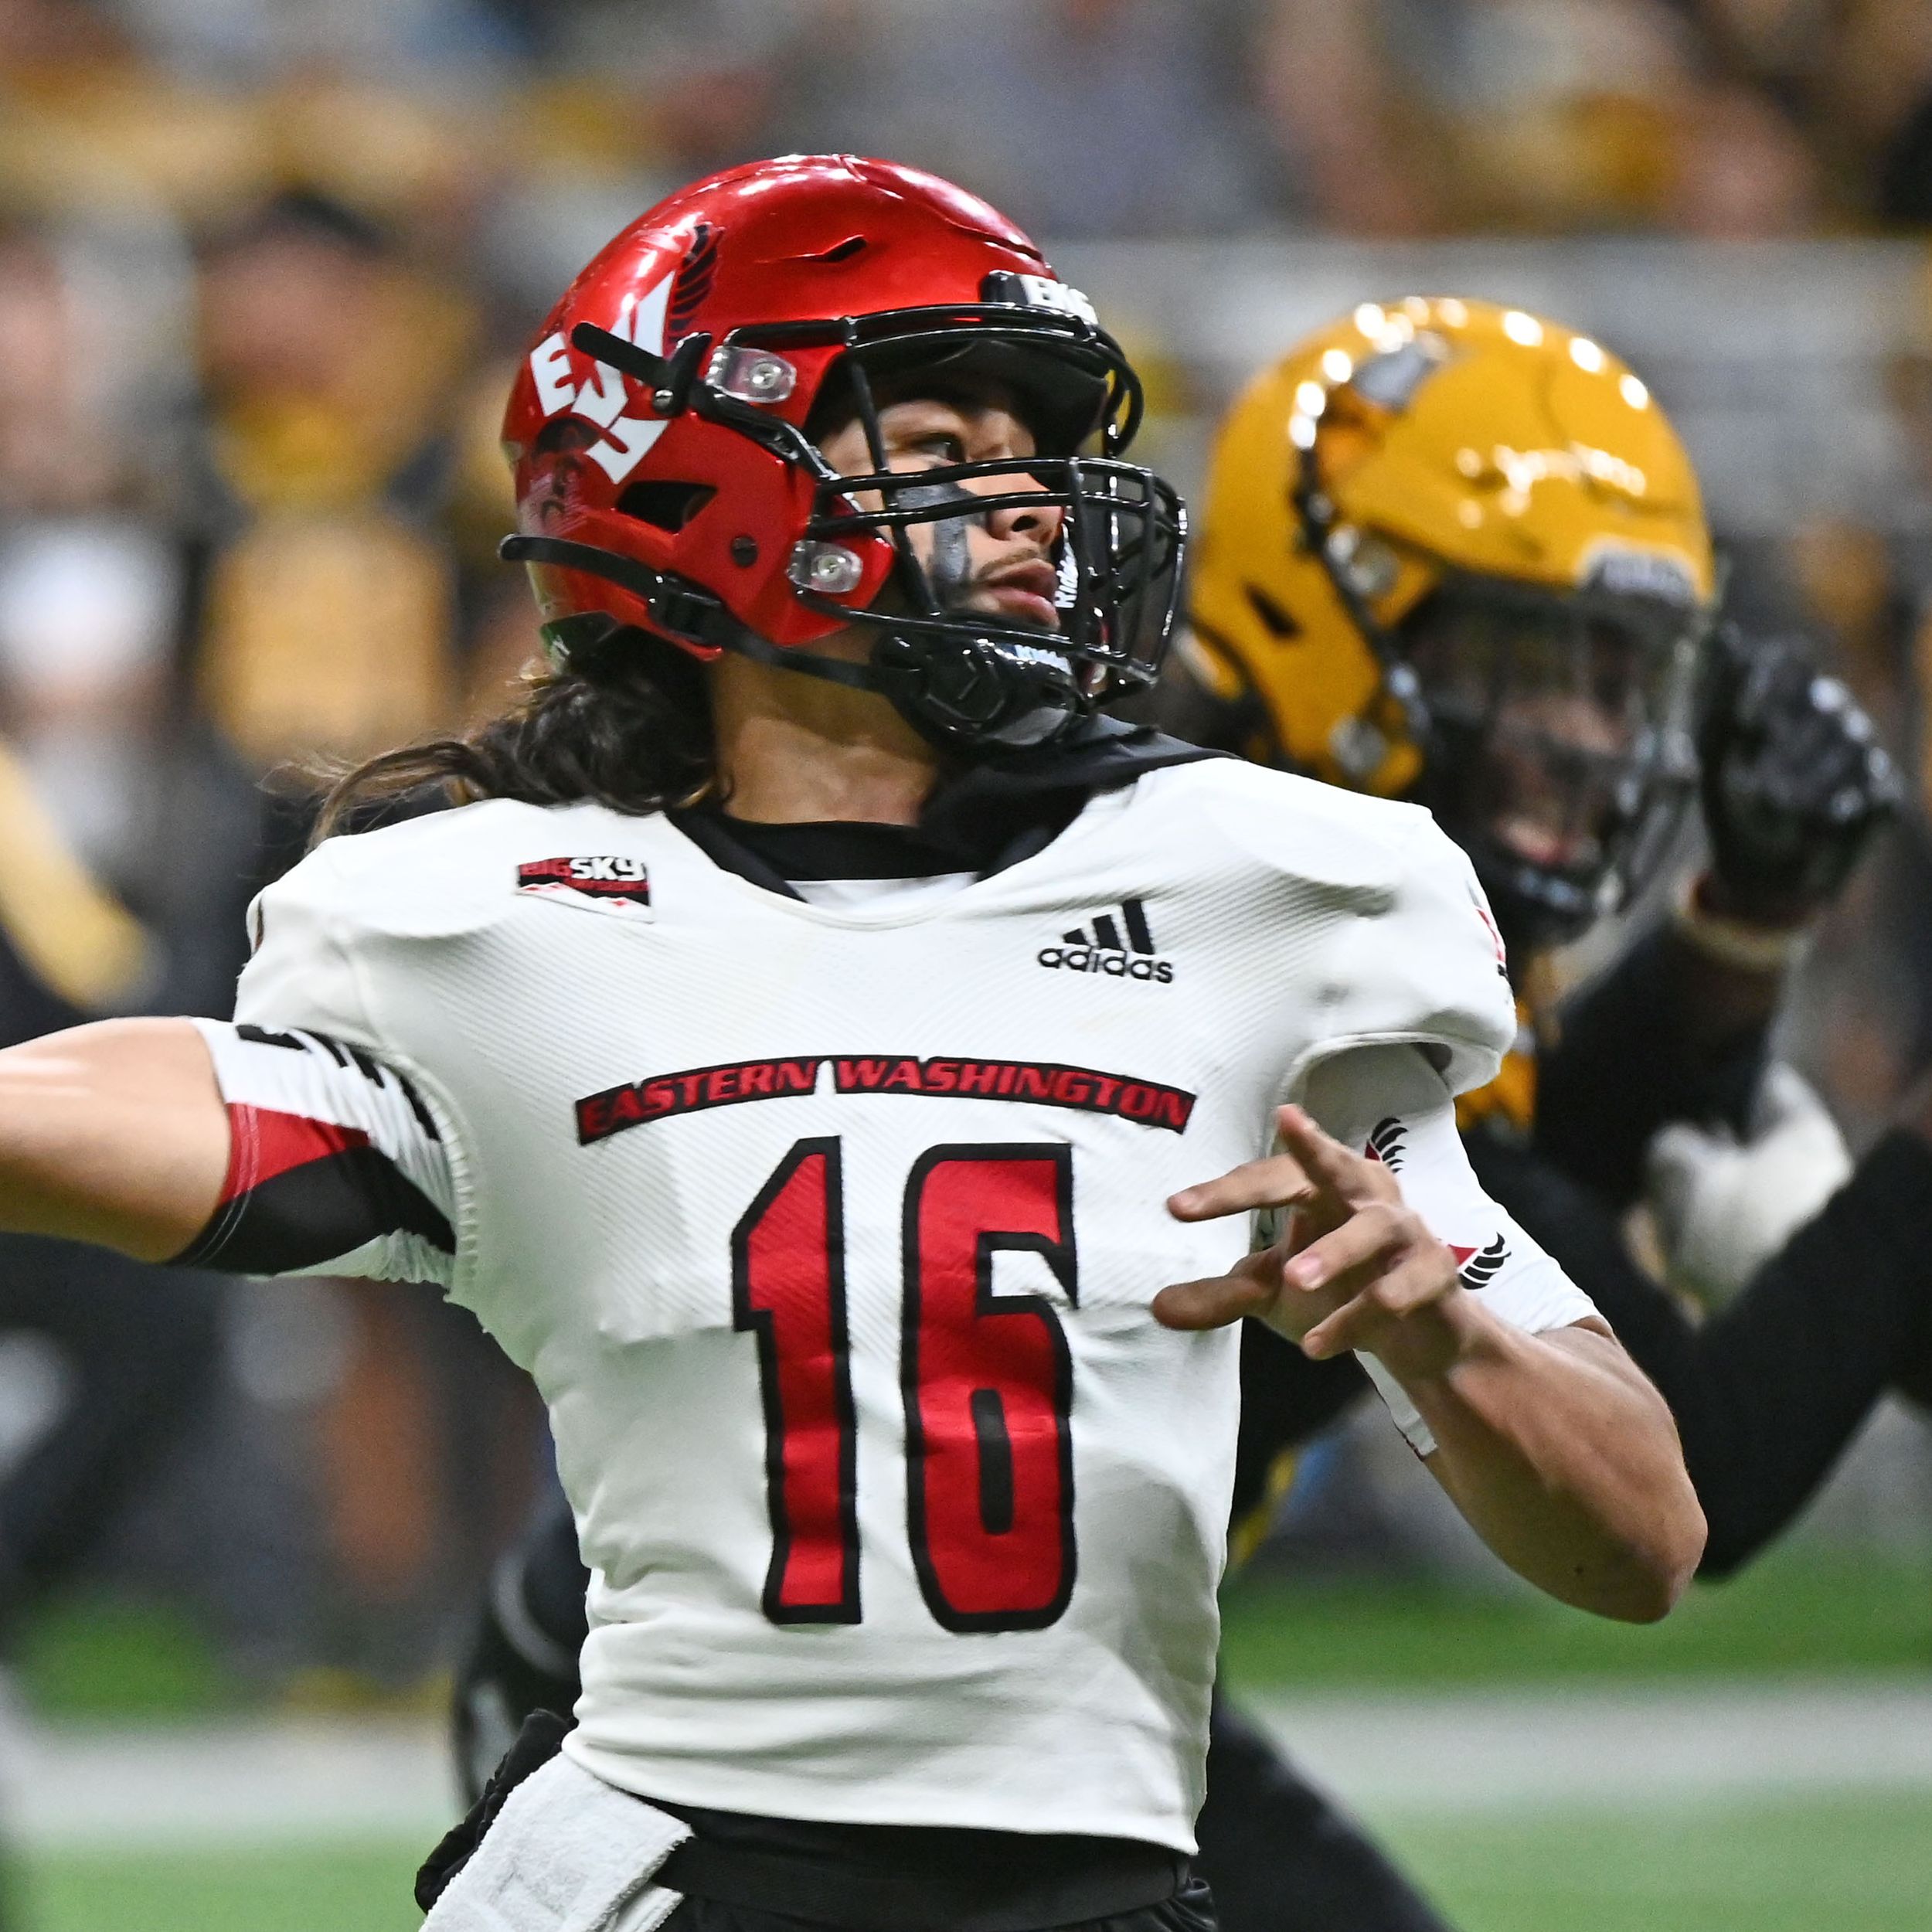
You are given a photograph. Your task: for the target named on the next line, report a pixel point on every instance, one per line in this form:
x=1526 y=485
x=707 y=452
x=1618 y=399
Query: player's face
x=999 y=561
x=1551 y=707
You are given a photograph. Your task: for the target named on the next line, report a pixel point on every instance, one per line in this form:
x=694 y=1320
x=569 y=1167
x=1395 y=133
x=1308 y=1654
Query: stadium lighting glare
x=1525 y=329
x=1301 y=431
x=1585 y=354
x=1452 y=311
x=1311 y=399
x=1633 y=392
x=1337 y=364
x=1370 y=320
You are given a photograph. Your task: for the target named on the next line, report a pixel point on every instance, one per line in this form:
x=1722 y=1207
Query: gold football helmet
x=1453 y=552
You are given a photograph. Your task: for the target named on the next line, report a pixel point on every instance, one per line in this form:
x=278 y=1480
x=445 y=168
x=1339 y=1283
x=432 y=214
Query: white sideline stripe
x=1624 y=1746
x=225 y=1785
x=237 y=1784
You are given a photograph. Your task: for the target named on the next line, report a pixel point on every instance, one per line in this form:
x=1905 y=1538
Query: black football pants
x=1192 y=1910
x=1280 y=1857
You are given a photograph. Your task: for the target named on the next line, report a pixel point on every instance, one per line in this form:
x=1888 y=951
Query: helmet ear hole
x=664 y=506
x=1275 y=620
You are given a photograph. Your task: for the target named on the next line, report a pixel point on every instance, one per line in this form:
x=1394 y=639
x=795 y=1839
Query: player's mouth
x=1552 y=848
x=1551 y=796
x=1023 y=592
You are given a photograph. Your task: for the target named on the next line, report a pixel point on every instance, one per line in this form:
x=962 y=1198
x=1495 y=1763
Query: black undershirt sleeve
x=1768 y=1392
x=1286 y=1399
x=1625 y=1065
x=335 y=1164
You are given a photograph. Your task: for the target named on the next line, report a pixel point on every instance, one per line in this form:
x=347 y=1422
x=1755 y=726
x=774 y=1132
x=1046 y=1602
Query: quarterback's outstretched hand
x=1355 y=1268
x=1552 y=1445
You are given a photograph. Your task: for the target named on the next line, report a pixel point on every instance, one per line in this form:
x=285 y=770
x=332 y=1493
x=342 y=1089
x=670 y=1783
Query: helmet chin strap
x=855 y=676
x=909 y=685
x=683 y=609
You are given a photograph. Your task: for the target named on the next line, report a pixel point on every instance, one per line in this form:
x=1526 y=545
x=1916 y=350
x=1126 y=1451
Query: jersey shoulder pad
x=358 y=897
x=447 y=871
x=1424 y=963
x=1294 y=827
x=1410 y=952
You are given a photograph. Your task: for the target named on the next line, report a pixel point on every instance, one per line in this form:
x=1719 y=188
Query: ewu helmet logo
x=699 y=270
x=602 y=398
x=1105 y=950
x=1384 y=1143
x=617 y=885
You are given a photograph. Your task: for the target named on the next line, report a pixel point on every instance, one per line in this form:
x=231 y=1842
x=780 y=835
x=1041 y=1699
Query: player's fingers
x=1276 y=1181
x=1367 y=1236
x=1340 y=1171
x=1425 y=1273
x=1214 y=1303
x=1411 y=1284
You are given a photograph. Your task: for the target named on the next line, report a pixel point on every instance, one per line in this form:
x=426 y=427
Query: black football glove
x=539 y=1740
x=1792 y=780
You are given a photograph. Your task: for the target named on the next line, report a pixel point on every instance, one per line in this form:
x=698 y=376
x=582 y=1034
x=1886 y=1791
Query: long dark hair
x=623 y=720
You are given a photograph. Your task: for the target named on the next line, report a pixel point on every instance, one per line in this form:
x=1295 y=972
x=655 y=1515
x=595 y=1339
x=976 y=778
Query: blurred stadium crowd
x=263 y=267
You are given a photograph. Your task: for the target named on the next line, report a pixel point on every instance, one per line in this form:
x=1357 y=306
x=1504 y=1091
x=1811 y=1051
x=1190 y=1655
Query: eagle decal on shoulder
x=1384 y=1143
x=1478 y=1270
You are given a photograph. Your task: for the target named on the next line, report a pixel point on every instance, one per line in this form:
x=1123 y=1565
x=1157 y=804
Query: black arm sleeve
x=1286 y=1399
x=1768 y=1393
x=1626 y=1063
x=522 y=1654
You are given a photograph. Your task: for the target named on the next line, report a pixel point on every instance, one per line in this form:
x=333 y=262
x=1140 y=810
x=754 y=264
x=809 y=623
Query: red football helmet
x=666 y=479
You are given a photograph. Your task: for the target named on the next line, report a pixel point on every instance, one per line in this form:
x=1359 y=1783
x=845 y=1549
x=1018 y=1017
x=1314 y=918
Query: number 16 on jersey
x=987 y=1380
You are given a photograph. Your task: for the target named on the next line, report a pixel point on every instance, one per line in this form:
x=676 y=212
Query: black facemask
x=1557 y=747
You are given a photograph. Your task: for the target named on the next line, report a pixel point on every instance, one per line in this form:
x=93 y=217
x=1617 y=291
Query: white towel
x=567 y=1853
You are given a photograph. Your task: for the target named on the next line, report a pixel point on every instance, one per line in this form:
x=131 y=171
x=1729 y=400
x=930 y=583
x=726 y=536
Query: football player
x=1455 y=553
x=845 y=1071
x=1284 y=667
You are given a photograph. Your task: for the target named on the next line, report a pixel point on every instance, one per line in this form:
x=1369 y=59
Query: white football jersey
x=828 y=1233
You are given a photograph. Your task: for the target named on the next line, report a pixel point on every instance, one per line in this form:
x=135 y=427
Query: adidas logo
x=1104 y=951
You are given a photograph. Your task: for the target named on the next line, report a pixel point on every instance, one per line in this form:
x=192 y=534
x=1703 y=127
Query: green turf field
x=1849 y=1865
x=1840 y=1865
x=352 y=1888
x=1800 y=1612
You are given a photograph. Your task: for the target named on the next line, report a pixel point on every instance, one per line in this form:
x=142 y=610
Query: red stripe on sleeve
x=265 y=1142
